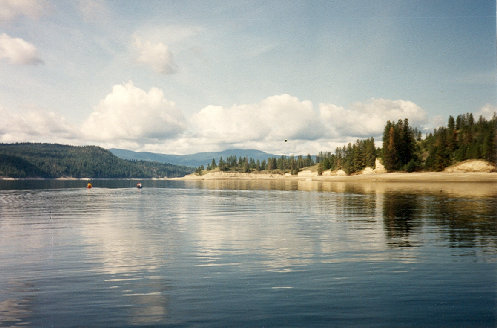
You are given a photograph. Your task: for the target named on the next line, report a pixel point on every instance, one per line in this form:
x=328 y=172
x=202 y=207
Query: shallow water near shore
x=247 y=254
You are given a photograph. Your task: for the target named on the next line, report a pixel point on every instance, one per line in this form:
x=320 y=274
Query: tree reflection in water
x=466 y=223
x=401 y=218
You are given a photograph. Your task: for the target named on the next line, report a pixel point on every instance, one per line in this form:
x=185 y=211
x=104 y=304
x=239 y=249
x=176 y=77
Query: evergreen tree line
x=403 y=150
x=26 y=160
x=462 y=139
x=282 y=164
x=400 y=146
x=351 y=158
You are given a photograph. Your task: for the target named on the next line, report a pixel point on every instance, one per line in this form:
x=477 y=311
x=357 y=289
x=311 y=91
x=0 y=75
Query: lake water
x=247 y=254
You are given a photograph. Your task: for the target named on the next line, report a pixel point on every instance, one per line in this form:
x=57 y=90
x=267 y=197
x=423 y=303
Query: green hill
x=30 y=160
x=193 y=160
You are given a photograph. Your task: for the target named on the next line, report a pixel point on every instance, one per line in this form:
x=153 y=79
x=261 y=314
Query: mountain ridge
x=43 y=160
x=191 y=160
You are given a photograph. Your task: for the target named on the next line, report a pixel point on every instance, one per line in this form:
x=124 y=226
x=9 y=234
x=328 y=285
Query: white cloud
x=18 y=51
x=274 y=118
x=436 y=122
x=282 y=117
x=36 y=126
x=129 y=117
x=132 y=114
x=267 y=124
x=155 y=55
x=487 y=111
x=9 y=9
x=368 y=119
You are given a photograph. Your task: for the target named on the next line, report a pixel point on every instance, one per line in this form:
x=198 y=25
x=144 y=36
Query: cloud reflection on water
x=393 y=216
x=125 y=250
x=136 y=250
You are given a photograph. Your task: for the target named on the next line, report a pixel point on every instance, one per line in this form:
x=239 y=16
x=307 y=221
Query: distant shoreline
x=77 y=179
x=415 y=177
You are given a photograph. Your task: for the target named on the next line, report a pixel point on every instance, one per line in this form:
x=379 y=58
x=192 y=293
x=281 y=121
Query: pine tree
x=390 y=157
x=370 y=153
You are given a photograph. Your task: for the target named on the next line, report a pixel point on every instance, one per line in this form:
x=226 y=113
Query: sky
x=181 y=77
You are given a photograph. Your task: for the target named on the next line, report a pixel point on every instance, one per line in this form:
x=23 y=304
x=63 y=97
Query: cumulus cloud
x=265 y=125
x=18 y=51
x=132 y=118
x=274 y=118
x=487 y=111
x=156 y=55
x=369 y=118
x=9 y=9
x=286 y=117
x=130 y=113
x=35 y=126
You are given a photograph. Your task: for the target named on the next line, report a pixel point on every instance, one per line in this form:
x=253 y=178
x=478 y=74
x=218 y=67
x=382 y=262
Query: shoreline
x=78 y=179
x=415 y=177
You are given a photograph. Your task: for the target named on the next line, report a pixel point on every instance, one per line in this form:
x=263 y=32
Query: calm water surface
x=247 y=254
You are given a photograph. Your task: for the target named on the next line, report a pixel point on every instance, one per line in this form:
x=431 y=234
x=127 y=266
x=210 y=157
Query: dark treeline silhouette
x=280 y=164
x=403 y=150
x=400 y=146
x=462 y=139
x=351 y=158
x=28 y=160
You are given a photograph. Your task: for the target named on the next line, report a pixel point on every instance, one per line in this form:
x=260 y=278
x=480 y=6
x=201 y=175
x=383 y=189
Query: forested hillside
x=462 y=139
x=351 y=158
x=193 y=160
x=404 y=149
x=25 y=160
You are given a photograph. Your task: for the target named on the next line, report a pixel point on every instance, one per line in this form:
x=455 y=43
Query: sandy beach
x=474 y=170
x=435 y=183
x=419 y=177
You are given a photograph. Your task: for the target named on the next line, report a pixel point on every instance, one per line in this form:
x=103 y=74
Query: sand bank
x=423 y=177
x=467 y=171
x=450 y=184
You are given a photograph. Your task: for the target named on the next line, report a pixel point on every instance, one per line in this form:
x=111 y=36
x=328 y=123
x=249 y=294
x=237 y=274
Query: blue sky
x=187 y=76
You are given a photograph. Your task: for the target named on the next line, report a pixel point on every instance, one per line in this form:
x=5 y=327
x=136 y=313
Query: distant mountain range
x=192 y=160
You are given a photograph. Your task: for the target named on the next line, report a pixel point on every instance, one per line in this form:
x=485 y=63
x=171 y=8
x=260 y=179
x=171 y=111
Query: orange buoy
x=89 y=185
